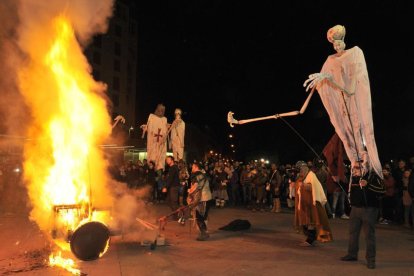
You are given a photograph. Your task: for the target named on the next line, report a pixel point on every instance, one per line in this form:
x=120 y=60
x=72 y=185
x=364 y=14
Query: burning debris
x=90 y=241
x=67 y=264
x=64 y=167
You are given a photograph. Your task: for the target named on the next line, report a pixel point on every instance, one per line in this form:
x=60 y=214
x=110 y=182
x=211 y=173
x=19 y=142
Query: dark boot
x=203 y=236
x=310 y=235
x=203 y=230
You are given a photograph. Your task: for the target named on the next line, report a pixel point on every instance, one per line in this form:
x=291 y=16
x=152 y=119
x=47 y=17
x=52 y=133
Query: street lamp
x=230 y=135
x=129 y=131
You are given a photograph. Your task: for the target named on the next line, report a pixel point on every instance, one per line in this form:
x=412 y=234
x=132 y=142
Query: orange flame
x=63 y=163
x=105 y=249
x=67 y=264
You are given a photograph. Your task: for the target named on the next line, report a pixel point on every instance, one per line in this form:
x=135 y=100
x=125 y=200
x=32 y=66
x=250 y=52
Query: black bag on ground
x=237 y=225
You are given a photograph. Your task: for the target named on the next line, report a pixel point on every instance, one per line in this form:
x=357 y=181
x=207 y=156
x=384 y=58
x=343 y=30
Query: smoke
x=87 y=17
x=20 y=21
x=12 y=109
x=129 y=205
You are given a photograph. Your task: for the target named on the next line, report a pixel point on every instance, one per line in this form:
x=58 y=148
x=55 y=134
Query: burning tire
x=90 y=241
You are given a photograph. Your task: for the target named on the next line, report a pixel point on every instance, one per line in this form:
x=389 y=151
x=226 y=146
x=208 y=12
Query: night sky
x=252 y=57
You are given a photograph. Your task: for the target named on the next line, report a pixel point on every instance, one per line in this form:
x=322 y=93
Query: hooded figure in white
x=343 y=85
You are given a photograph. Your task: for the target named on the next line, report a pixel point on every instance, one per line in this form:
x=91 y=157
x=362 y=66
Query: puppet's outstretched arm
x=232 y=121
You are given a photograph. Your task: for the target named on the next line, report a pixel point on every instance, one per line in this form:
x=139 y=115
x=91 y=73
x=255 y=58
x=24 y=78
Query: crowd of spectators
x=258 y=186
x=254 y=185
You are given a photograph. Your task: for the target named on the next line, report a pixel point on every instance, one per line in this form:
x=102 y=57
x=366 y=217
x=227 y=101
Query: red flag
x=334 y=154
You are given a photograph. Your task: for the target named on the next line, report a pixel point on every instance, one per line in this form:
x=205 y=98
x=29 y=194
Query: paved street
x=270 y=247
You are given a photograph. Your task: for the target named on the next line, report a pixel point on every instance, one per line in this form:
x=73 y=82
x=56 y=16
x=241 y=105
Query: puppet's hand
x=144 y=130
x=315 y=79
x=120 y=118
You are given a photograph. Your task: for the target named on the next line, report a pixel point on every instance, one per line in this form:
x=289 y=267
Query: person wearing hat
x=310 y=214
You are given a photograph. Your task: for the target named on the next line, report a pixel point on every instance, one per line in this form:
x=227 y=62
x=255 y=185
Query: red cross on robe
x=158 y=135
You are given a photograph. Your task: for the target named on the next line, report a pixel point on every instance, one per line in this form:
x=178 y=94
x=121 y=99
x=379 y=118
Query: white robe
x=177 y=138
x=156 y=140
x=351 y=65
x=317 y=191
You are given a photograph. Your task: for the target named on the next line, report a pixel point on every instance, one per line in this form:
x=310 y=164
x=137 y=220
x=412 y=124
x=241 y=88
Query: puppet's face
x=160 y=111
x=339 y=46
x=177 y=113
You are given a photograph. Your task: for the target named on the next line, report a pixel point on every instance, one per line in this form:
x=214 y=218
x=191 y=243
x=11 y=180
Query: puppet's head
x=177 y=113
x=160 y=110
x=336 y=36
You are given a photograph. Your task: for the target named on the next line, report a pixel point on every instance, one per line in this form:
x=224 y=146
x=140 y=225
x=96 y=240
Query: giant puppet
x=177 y=133
x=157 y=128
x=344 y=88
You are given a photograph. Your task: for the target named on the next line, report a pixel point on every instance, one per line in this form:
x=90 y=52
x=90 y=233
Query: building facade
x=113 y=57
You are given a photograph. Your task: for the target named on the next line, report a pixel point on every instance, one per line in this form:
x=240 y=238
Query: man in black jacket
x=173 y=183
x=364 y=213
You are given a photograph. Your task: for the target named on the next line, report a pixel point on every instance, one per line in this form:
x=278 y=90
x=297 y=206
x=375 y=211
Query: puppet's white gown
x=344 y=69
